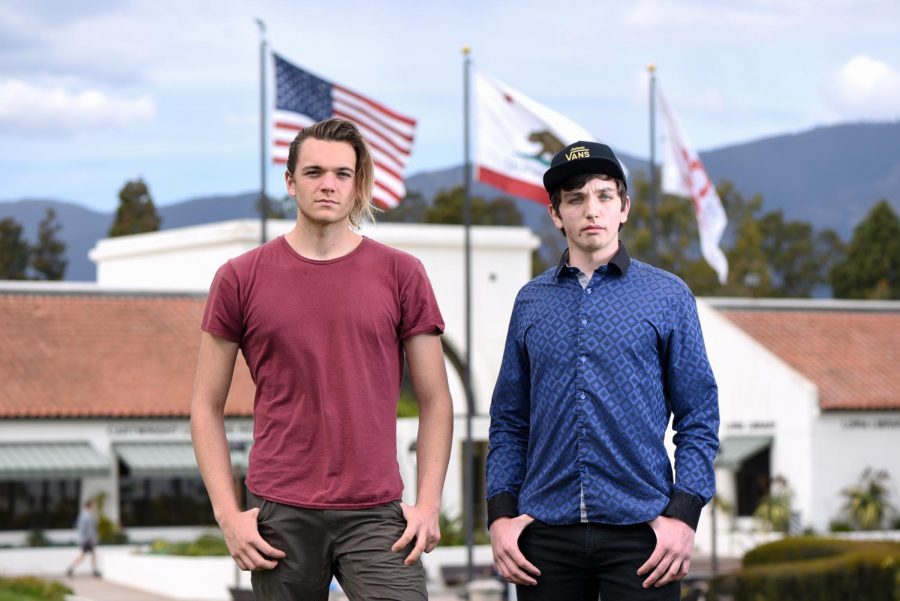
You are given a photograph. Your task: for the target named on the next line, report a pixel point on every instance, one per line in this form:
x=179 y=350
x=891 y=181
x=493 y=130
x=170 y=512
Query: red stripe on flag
x=287 y=125
x=374 y=118
x=387 y=191
x=394 y=145
x=511 y=185
x=389 y=170
x=380 y=107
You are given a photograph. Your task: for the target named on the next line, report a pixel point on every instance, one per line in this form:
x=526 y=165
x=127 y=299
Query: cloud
x=865 y=88
x=28 y=108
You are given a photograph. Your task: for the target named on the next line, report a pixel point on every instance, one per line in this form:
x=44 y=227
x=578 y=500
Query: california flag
x=516 y=137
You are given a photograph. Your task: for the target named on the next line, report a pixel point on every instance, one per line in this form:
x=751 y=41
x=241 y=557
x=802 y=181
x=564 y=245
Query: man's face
x=590 y=216
x=324 y=181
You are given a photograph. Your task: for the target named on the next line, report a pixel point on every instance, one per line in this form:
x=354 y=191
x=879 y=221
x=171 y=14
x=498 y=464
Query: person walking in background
x=86 y=528
x=324 y=317
x=602 y=351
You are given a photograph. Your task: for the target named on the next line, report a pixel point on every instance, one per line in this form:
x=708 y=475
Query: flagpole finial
x=651 y=68
x=466 y=50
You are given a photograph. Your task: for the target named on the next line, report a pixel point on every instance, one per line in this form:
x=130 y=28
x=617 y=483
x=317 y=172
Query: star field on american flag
x=302 y=99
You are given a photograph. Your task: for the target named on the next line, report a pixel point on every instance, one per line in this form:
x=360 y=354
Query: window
x=44 y=504
x=752 y=481
x=176 y=501
x=479 y=460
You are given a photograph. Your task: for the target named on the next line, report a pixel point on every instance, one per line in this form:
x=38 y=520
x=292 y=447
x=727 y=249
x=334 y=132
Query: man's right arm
x=509 y=432
x=215 y=368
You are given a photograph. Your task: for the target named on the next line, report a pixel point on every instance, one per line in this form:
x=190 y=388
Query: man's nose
x=328 y=181
x=592 y=206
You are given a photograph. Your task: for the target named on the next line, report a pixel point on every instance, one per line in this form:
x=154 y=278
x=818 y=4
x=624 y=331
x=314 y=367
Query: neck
x=588 y=262
x=322 y=242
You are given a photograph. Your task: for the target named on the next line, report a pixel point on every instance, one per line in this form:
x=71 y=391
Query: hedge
x=814 y=569
x=32 y=589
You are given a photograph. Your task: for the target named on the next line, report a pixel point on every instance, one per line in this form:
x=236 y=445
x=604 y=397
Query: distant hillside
x=829 y=177
x=83 y=227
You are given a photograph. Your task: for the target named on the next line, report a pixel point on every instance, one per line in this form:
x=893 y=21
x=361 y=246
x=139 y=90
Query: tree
x=677 y=245
x=767 y=255
x=136 y=213
x=871 y=268
x=281 y=208
x=867 y=503
x=14 y=251
x=448 y=208
x=411 y=210
x=48 y=255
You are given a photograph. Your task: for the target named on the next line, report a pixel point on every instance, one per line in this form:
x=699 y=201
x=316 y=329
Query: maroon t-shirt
x=323 y=340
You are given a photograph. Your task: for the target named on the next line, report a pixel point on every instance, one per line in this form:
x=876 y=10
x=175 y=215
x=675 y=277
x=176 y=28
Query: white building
x=808 y=389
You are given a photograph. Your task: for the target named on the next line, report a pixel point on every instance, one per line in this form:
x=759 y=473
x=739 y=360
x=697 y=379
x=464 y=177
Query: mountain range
x=828 y=176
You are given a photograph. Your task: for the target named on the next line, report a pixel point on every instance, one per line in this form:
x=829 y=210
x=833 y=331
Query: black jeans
x=584 y=562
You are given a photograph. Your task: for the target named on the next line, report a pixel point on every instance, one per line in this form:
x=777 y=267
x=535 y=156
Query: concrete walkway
x=88 y=588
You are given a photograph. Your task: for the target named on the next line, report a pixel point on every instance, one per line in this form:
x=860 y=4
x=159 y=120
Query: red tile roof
x=68 y=355
x=850 y=353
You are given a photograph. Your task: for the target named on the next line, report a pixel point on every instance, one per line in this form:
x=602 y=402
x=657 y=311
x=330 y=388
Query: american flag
x=302 y=99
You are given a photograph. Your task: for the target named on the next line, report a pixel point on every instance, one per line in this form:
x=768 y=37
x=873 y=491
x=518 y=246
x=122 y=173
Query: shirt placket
x=581 y=390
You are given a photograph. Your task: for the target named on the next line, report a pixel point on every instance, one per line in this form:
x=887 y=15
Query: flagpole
x=263 y=199
x=654 y=257
x=468 y=455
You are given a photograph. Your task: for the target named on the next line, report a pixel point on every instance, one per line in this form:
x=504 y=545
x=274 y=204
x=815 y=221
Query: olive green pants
x=352 y=545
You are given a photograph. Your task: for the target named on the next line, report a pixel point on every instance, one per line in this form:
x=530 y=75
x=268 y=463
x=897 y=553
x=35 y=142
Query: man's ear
x=556 y=220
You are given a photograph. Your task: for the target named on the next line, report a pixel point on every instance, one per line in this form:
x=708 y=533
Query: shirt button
x=588 y=290
x=581 y=396
x=582 y=358
x=584 y=322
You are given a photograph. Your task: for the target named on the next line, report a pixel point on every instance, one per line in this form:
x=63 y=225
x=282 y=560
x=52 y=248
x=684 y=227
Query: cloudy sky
x=97 y=92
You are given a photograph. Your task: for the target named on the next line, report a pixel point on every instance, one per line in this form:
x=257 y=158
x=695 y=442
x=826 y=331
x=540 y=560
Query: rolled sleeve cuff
x=502 y=505
x=683 y=506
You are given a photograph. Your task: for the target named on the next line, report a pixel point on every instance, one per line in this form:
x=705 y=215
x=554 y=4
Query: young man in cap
x=601 y=351
x=324 y=317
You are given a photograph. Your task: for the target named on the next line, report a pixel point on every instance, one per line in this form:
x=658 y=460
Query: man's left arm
x=693 y=395
x=429 y=378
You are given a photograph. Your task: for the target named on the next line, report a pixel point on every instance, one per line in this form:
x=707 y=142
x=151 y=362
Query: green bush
x=206 y=545
x=453 y=532
x=37 y=538
x=814 y=569
x=30 y=588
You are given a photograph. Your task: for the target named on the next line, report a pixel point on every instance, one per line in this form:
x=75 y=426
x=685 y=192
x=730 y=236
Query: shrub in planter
x=807 y=569
x=205 y=546
x=32 y=588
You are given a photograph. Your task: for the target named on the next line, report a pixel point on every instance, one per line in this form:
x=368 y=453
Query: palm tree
x=867 y=504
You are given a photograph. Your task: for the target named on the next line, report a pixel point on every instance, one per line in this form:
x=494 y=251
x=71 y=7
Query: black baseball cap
x=580 y=158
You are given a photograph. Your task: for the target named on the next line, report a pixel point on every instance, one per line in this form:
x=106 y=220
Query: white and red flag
x=683 y=174
x=302 y=99
x=515 y=138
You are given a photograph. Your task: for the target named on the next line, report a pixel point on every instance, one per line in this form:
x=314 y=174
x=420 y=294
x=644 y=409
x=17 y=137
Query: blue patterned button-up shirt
x=590 y=378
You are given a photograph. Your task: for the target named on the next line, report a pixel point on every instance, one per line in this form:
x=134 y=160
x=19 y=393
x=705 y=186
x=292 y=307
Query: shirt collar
x=620 y=261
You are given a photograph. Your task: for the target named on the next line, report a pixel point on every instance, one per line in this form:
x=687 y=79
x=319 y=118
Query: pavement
x=89 y=588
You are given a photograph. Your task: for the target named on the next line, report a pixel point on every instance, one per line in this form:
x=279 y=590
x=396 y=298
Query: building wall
x=844 y=445
x=103 y=435
x=187 y=259
x=760 y=395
